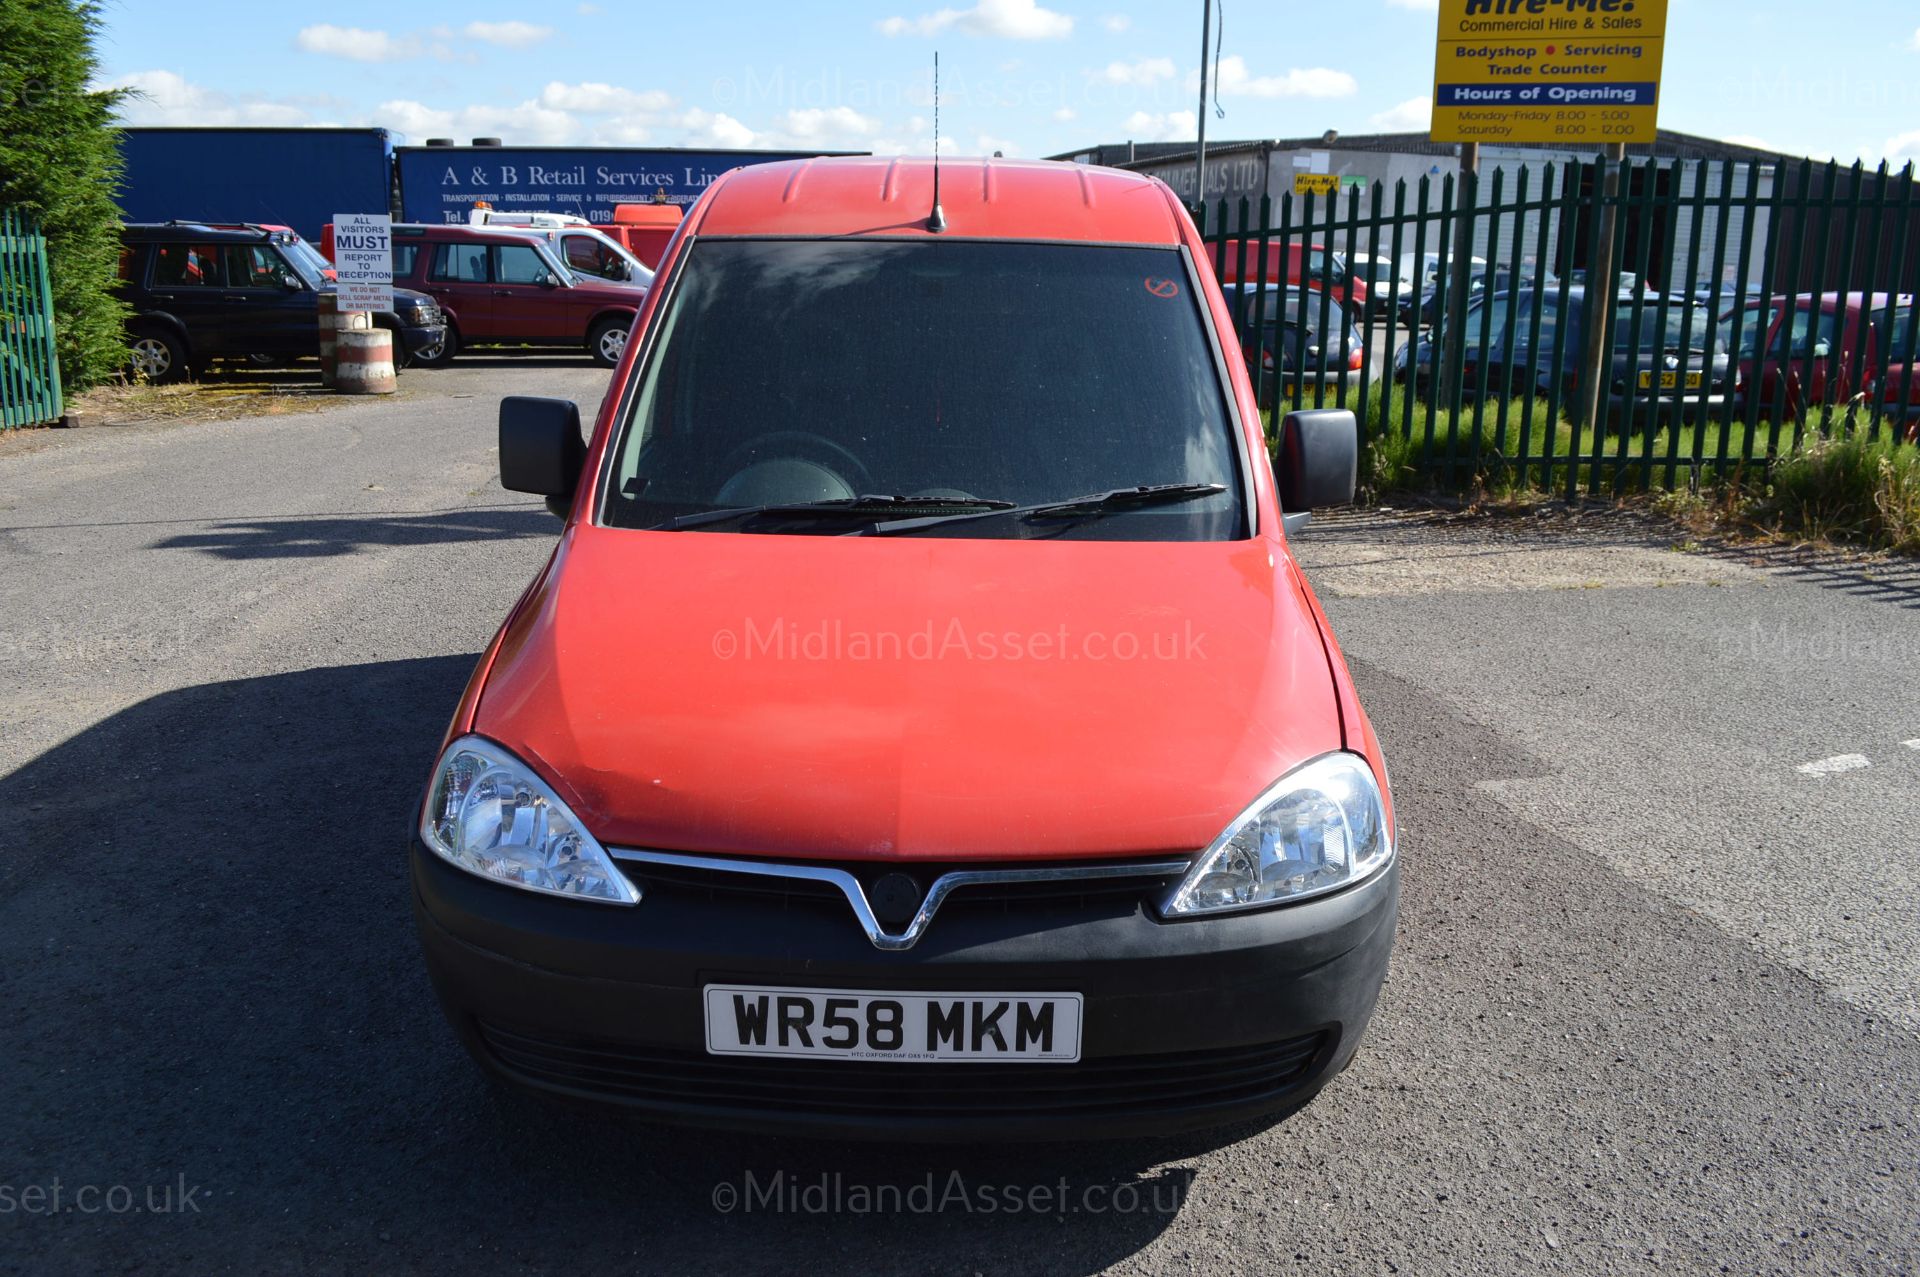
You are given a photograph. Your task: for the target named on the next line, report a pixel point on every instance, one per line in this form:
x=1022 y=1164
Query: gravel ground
x=1653 y=1008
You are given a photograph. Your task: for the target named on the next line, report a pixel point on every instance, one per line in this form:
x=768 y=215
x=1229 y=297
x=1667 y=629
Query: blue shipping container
x=294 y=177
x=442 y=183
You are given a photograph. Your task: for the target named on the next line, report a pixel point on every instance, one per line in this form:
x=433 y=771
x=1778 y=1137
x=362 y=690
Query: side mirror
x=541 y=450
x=1319 y=461
x=546 y=280
x=291 y=283
x=1822 y=348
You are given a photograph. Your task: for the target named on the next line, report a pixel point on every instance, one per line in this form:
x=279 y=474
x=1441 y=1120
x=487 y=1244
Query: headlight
x=1321 y=827
x=489 y=814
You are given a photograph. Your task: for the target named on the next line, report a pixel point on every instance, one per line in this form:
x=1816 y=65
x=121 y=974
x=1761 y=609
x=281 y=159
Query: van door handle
x=503 y=292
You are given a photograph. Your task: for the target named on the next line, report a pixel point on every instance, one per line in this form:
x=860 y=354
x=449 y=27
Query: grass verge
x=221 y=394
x=1835 y=486
x=1846 y=489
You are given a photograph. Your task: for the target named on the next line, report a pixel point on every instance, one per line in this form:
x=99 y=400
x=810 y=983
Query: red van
x=644 y=229
x=921 y=728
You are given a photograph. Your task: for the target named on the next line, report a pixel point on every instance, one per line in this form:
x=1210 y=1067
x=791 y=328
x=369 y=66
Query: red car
x=1322 y=269
x=506 y=287
x=1829 y=353
x=921 y=728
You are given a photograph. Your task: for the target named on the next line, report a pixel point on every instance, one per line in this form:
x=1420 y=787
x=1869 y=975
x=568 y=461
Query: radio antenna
x=937 y=221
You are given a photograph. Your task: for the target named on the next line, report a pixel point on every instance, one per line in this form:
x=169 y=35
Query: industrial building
x=1682 y=164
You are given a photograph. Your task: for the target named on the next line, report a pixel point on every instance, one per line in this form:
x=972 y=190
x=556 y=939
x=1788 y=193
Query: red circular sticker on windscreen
x=1162 y=287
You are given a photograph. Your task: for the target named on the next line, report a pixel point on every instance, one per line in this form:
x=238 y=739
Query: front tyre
x=608 y=340
x=156 y=354
x=440 y=354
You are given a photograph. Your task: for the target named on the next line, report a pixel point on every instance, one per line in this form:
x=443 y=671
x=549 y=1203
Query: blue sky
x=1026 y=77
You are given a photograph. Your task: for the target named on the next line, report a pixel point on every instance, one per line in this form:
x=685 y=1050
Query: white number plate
x=853 y=1024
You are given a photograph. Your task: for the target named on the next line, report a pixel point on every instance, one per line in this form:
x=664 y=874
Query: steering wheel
x=861 y=480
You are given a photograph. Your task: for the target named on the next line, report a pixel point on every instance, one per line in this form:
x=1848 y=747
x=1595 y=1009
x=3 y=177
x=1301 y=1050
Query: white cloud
x=834 y=128
x=528 y=123
x=1425 y=6
x=357 y=44
x=1116 y=22
x=507 y=35
x=1173 y=126
x=1904 y=148
x=1914 y=43
x=1144 y=72
x=987 y=144
x=165 y=97
x=365 y=44
x=593 y=98
x=708 y=128
x=818 y=125
x=562 y=114
x=1064 y=114
x=1413 y=115
x=587 y=10
x=1312 y=82
x=1008 y=19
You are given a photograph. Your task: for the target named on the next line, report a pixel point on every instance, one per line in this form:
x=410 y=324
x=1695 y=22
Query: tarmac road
x=1653 y=1007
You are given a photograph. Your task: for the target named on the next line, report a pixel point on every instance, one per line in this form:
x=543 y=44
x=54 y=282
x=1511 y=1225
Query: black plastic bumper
x=1186 y=1026
x=418 y=338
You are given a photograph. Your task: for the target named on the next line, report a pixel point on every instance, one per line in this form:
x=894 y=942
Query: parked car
x=200 y=292
x=1669 y=370
x=289 y=241
x=586 y=249
x=1897 y=337
x=1825 y=354
x=1628 y=281
x=1289 y=351
x=726 y=829
x=1383 y=282
x=1424 y=268
x=1310 y=265
x=1427 y=311
x=502 y=286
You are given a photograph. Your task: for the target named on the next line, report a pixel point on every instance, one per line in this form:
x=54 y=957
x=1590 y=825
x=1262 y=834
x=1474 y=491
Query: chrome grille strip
x=943 y=886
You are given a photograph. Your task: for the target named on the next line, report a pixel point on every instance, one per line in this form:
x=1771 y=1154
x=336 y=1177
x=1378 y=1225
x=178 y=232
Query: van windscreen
x=790 y=371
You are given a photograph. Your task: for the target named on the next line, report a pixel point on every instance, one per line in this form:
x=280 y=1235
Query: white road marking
x=1838 y=763
x=1911 y=744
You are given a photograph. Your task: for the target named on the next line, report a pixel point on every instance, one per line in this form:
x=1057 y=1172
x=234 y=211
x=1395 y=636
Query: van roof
x=467 y=233
x=982 y=199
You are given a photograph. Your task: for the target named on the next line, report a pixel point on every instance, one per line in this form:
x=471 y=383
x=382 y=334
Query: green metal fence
x=29 y=367
x=1753 y=307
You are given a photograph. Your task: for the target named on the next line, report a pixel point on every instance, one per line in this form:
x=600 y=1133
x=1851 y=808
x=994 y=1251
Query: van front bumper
x=1185 y=1025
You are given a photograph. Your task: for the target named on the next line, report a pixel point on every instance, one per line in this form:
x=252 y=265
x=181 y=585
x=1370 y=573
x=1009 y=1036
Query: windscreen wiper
x=1093 y=504
x=861 y=508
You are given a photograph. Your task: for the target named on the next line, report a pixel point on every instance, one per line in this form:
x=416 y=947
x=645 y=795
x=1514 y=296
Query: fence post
x=1595 y=360
x=1462 y=275
x=30 y=392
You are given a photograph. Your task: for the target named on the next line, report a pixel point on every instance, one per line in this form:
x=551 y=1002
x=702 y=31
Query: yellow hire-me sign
x=1576 y=72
